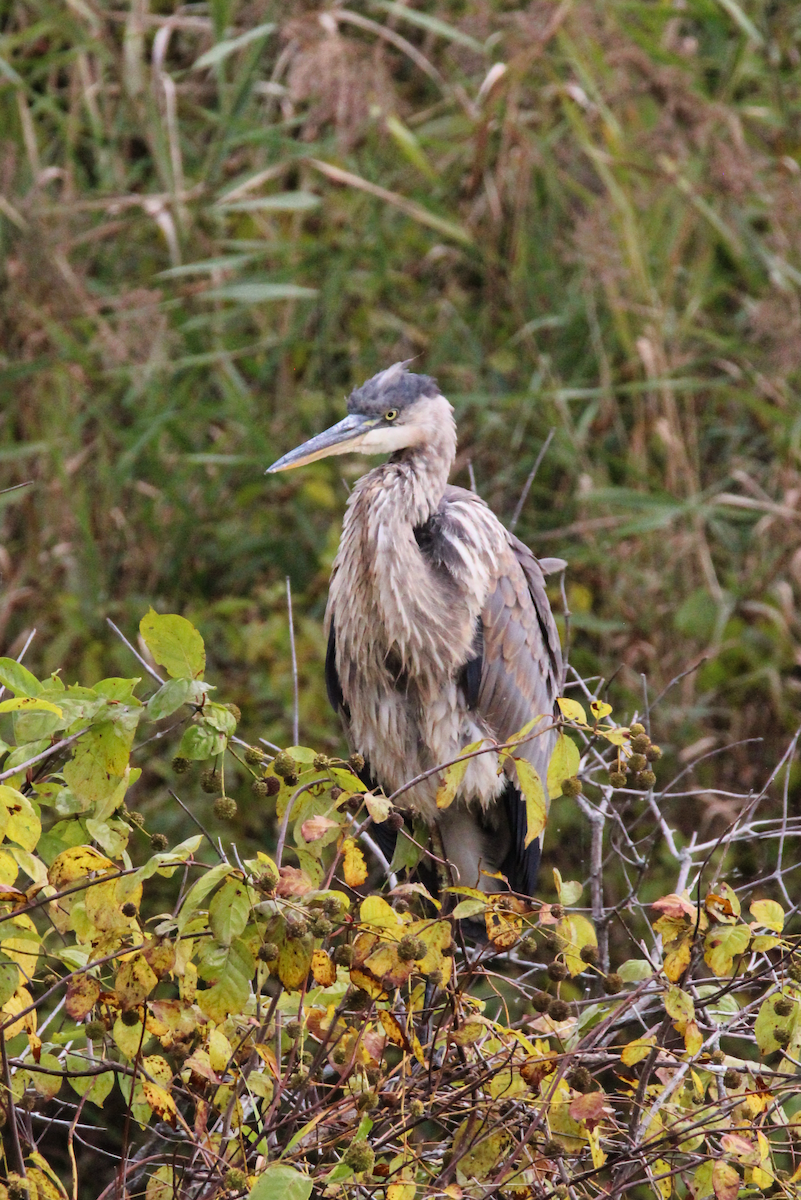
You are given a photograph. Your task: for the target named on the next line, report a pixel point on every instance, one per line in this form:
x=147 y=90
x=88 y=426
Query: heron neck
x=419 y=474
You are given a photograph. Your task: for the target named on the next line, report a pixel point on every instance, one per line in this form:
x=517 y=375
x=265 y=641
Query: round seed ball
x=225 y=808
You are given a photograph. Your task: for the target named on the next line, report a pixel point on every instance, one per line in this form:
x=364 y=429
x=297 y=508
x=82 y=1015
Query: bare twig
x=28 y=641
x=532 y=476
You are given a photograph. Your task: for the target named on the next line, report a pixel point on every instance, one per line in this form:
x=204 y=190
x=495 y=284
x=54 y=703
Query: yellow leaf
x=83 y=993
x=393 y=1029
x=679 y=1005
x=160 y=1101
x=354 y=868
x=577 y=933
x=28 y=704
x=768 y=913
x=677 y=956
x=294 y=960
x=436 y=936
x=21 y=999
x=637 y=1050
x=534 y=796
x=600 y=709
x=20 y=820
x=323 y=969
x=376 y=913
x=618 y=737
x=565 y=762
x=402 y=1191
x=75 y=863
x=503 y=927
x=220 y=1051
x=453 y=775
x=41 y=1187
x=22 y=949
x=572 y=710
x=161 y=1184
x=8 y=868
x=693 y=1038
x=128 y=1037
x=134 y=983
x=664 y=1185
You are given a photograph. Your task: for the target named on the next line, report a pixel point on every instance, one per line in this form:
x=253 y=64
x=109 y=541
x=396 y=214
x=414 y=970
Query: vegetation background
x=582 y=217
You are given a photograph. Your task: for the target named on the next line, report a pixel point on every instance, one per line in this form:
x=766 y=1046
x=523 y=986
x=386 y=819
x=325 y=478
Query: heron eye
x=390 y=414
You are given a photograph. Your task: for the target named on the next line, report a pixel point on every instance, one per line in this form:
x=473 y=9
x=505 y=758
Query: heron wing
x=515 y=672
x=521 y=659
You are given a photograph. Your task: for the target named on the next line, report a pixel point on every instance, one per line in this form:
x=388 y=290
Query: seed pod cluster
x=636 y=771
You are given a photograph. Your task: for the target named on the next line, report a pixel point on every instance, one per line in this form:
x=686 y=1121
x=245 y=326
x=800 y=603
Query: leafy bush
x=277 y=1028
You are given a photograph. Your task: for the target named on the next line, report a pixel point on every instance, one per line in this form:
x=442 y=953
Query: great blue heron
x=439 y=628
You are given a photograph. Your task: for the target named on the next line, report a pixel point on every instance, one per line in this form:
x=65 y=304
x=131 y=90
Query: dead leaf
x=316 y=827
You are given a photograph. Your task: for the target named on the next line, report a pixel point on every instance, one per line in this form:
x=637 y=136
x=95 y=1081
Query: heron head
x=390 y=412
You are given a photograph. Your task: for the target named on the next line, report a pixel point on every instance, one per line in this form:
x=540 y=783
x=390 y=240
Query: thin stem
x=135 y=652
x=199 y=824
x=295 y=699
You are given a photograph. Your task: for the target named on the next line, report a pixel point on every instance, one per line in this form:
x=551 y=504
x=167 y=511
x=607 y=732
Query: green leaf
x=635 y=970
x=280 y=1182
x=408 y=854
x=723 y=944
x=119 y=690
x=199 y=891
x=100 y=757
x=169 y=698
x=219 y=718
x=13 y=675
x=568 y=890
x=282 y=202
x=347 y=779
x=9 y=978
x=94 y=1087
x=231 y=45
x=229 y=911
x=768 y=1021
x=468 y=908
x=431 y=24
x=174 y=643
x=259 y=293
x=232 y=968
x=200 y=741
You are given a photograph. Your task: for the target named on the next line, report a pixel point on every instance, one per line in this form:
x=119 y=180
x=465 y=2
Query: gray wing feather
x=521 y=657
x=522 y=660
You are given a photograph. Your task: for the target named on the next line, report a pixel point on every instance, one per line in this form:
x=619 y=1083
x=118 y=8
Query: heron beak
x=342 y=438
